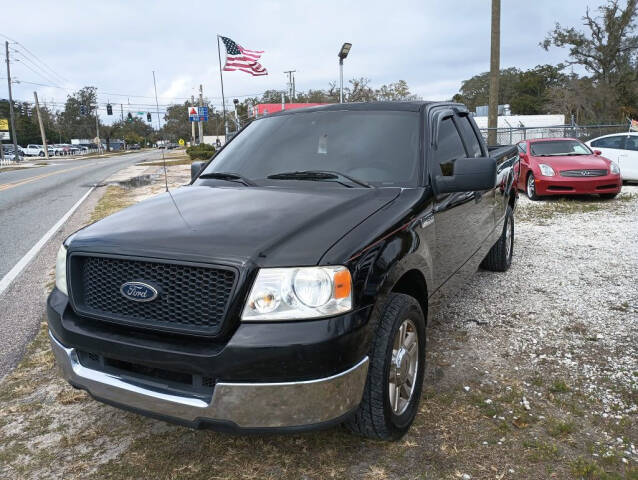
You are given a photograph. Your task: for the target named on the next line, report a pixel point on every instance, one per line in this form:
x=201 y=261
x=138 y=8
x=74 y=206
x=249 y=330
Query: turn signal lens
x=342 y=283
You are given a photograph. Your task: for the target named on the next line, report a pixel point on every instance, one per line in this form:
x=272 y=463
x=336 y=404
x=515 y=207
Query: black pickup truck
x=288 y=286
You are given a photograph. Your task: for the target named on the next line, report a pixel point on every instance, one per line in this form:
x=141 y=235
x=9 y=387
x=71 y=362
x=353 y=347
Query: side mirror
x=196 y=167
x=597 y=152
x=469 y=175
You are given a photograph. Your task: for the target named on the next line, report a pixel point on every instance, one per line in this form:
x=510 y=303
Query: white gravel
x=568 y=306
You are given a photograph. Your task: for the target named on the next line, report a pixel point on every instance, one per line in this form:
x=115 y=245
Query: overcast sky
x=115 y=45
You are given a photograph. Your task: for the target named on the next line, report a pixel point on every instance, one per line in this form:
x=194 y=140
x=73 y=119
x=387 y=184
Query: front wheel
x=41 y=154
x=395 y=374
x=608 y=196
x=531 y=187
x=499 y=258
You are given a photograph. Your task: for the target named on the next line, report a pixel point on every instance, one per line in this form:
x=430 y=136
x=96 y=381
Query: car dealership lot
x=546 y=385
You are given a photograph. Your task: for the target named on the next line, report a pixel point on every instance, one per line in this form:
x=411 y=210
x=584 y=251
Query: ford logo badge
x=138 y=291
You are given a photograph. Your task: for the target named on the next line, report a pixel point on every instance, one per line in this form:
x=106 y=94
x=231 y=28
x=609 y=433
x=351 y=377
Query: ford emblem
x=138 y=291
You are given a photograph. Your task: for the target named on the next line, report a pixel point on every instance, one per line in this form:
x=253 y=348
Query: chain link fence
x=512 y=135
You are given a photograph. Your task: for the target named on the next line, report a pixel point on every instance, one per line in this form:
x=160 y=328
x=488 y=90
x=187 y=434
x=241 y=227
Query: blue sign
x=198 y=114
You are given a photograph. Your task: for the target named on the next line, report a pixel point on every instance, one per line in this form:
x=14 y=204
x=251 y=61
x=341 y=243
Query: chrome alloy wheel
x=404 y=367
x=531 y=186
x=509 y=240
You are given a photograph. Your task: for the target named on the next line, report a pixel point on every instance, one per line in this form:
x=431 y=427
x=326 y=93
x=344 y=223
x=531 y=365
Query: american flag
x=239 y=58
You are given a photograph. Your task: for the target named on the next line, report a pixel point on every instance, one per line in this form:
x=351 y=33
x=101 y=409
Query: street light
x=343 y=53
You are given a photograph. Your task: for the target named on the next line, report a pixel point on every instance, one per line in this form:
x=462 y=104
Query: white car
x=33 y=150
x=621 y=148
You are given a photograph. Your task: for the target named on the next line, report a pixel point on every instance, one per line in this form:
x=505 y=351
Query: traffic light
x=109 y=109
x=129 y=117
x=148 y=117
x=82 y=109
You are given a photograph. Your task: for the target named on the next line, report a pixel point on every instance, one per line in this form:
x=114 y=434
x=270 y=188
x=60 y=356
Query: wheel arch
x=413 y=283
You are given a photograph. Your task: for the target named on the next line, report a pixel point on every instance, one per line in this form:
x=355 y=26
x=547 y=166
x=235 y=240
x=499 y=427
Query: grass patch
x=114 y=200
x=559 y=386
x=169 y=163
x=544 y=210
x=557 y=428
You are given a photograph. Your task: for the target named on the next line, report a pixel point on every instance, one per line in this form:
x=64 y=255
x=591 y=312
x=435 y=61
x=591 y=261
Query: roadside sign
x=198 y=114
x=181 y=142
x=96 y=140
x=5 y=136
x=4 y=125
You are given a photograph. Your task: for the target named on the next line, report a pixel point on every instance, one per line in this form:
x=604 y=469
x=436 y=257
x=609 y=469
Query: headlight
x=299 y=293
x=614 y=168
x=546 y=170
x=60 y=270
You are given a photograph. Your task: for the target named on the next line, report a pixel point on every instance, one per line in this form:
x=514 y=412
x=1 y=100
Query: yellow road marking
x=8 y=186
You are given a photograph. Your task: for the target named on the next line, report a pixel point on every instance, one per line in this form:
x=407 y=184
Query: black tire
x=41 y=154
x=375 y=418
x=531 y=190
x=499 y=258
x=608 y=196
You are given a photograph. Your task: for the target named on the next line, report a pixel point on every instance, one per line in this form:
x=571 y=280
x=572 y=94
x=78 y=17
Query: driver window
x=449 y=148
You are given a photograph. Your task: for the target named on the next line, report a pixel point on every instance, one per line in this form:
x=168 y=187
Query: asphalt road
x=32 y=201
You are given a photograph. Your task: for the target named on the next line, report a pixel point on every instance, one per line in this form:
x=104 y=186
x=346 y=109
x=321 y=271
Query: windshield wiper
x=319 y=175
x=231 y=177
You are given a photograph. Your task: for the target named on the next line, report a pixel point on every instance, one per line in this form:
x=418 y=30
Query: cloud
x=116 y=45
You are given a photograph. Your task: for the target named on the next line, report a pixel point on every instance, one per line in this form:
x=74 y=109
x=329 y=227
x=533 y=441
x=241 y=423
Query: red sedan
x=565 y=166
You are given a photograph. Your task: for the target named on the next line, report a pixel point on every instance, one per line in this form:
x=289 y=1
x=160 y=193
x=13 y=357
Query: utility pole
x=11 y=114
x=192 y=123
x=495 y=57
x=42 y=133
x=200 y=123
x=97 y=129
x=122 y=112
x=291 y=84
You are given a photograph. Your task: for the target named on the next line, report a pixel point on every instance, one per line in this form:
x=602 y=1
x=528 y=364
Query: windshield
x=559 y=147
x=376 y=147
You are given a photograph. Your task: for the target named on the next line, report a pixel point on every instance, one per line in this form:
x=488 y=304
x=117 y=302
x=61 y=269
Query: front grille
x=583 y=173
x=191 y=298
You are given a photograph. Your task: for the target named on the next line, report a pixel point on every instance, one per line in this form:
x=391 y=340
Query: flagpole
x=221 y=78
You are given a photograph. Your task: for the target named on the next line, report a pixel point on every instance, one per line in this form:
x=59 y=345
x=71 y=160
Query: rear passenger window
x=631 y=143
x=471 y=141
x=449 y=148
x=609 y=142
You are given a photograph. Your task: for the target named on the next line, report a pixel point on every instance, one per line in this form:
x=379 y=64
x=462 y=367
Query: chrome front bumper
x=246 y=405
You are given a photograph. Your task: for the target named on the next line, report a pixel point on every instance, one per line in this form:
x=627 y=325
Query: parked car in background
x=135 y=146
x=33 y=150
x=565 y=166
x=9 y=153
x=288 y=286
x=621 y=148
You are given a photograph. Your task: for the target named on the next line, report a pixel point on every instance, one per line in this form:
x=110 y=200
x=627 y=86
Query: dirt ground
x=531 y=374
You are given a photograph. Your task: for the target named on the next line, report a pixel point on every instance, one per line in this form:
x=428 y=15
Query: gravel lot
x=530 y=374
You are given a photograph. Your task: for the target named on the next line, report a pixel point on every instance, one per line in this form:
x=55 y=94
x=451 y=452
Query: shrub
x=203 y=151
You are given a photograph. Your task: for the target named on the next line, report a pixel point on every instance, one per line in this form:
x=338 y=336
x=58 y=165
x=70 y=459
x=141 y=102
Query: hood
x=575 y=162
x=269 y=226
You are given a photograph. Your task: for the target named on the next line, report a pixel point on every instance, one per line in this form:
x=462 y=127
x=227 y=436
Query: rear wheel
x=41 y=154
x=531 y=187
x=499 y=258
x=395 y=374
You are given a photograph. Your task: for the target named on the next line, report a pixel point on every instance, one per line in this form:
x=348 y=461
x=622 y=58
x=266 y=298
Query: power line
x=36 y=58
x=23 y=58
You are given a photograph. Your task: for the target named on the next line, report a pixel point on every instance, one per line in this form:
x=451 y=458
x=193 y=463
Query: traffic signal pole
x=11 y=113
